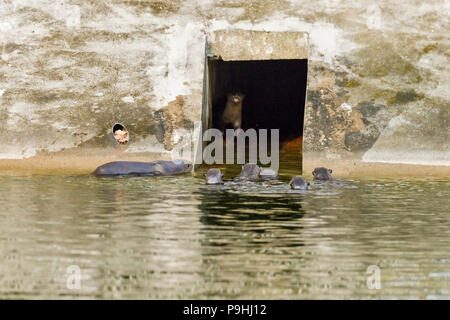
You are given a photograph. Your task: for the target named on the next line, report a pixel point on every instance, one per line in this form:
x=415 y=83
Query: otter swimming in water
x=322 y=174
x=214 y=176
x=298 y=183
x=253 y=172
x=250 y=171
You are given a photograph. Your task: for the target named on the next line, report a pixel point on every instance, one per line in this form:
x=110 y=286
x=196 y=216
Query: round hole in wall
x=120 y=133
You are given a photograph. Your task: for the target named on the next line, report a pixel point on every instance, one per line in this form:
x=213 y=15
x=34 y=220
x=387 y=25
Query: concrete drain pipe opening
x=120 y=133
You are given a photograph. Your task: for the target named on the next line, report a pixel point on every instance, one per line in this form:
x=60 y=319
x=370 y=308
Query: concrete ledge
x=73 y=164
x=81 y=164
x=232 y=45
x=363 y=170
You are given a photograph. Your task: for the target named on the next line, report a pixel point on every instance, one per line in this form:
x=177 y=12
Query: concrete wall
x=378 y=81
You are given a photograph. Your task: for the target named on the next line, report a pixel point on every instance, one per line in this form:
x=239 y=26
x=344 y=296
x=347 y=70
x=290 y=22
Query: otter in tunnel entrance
x=275 y=92
x=232 y=114
x=275 y=96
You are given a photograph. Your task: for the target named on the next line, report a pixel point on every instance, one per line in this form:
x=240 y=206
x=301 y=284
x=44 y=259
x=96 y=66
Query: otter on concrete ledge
x=134 y=168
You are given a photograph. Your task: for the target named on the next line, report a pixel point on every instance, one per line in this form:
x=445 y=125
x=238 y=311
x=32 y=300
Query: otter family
x=250 y=172
x=231 y=116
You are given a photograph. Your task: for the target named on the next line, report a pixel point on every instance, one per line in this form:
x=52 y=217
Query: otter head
x=298 y=183
x=183 y=165
x=214 y=176
x=250 y=171
x=236 y=98
x=188 y=167
x=322 y=173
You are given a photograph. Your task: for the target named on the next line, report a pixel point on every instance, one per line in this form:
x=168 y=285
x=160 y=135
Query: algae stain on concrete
x=167 y=120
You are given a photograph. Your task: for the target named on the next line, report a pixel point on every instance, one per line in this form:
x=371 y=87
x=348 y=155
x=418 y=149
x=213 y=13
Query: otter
x=298 y=183
x=268 y=174
x=250 y=171
x=322 y=174
x=134 y=168
x=232 y=115
x=214 y=176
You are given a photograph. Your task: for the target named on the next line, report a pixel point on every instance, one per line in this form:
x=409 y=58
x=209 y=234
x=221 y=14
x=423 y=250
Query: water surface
x=174 y=237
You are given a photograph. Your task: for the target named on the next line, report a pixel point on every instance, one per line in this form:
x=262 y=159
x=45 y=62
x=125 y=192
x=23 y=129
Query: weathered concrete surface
x=232 y=45
x=334 y=127
x=346 y=168
x=405 y=126
x=69 y=71
x=378 y=89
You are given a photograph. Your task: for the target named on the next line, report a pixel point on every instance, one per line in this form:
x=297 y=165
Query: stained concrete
x=232 y=45
x=378 y=74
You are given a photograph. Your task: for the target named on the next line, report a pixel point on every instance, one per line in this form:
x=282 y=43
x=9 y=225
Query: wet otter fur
x=214 y=176
x=298 y=183
x=135 y=168
x=322 y=174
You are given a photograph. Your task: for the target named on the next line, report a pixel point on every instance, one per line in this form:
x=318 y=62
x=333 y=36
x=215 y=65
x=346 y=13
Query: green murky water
x=174 y=237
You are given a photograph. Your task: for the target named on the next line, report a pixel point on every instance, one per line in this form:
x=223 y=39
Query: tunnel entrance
x=274 y=93
x=270 y=69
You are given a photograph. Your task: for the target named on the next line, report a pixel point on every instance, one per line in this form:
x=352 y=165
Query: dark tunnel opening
x=274 y=93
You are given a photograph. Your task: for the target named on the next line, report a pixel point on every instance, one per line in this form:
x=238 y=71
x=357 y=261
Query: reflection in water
x=246 y=236
x=174 y=237
x=223 y=208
